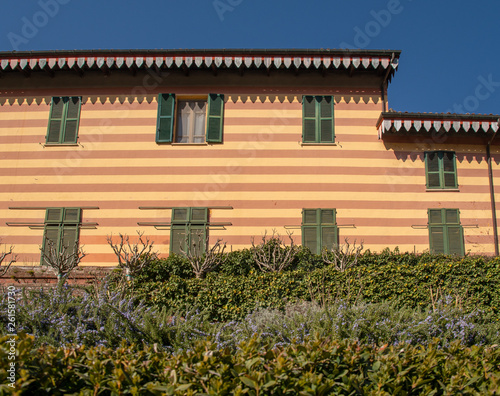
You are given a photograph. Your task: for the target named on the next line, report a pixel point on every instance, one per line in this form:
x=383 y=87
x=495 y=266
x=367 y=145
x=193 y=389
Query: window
x=441 y=170
x=317 y=119
x=64 y=120
x=319 y=229
x=189 y=228
x=62 y=226
x=190 y=121
x=445 y=232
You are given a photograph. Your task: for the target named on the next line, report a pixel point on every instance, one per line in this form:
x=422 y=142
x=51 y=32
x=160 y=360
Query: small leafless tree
x=203 y=259
x=273 y=254
x=61 y=261
x=133 y=257
x=344 y=256
x=11 y=259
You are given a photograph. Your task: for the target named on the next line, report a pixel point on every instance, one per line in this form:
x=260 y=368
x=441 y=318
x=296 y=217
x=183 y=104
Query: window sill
x=442 y=190
x=190 y=144
x=60 y=144
x=319 y=144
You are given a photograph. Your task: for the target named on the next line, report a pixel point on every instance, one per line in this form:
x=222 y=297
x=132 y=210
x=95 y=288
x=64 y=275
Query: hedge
x=468 y=282
x=316 y=367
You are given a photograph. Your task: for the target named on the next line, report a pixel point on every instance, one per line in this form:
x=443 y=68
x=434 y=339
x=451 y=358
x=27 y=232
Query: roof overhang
x=422 y=124
x=279 y=59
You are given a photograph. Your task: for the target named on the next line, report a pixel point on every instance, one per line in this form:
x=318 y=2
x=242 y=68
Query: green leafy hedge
x=468 y=282
x=316 y=367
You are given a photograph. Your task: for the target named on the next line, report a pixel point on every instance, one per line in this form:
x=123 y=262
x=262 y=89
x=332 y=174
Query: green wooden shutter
x=308 y=119
x=198 y=238
x=72 y=215
x=199 y=215
x=310 y=238
x=165 y=121
x=328 y=237
x=54 y=215
x=72 y=119
x=177 y=239
x=69 y=239
x=449 y=170
x=437 y=239
x=51 y=233
x=55 y=120
x=215 y=118
x=432 y=165
x=326 y=132
x=180 y=215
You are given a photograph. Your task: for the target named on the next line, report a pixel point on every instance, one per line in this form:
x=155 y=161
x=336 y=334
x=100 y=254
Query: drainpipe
x=492 y=191
x=394 y=64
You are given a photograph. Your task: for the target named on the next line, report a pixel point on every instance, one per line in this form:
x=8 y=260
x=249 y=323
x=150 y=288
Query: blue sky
x=450 y=59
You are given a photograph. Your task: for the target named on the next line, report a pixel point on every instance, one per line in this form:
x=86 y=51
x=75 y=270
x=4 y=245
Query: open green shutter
x=55 y=120
x=72 y=119
x=326 y=124
x=215 y=118
x=308 y=119
x=165 y=121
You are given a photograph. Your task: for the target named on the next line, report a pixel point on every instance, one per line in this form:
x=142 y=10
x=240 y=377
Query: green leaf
x=248 y=382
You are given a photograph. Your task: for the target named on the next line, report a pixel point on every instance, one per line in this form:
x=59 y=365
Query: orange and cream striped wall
x=261 y=170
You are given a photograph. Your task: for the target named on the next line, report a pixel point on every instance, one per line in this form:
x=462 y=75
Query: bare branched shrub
x=344 y=256
x=62 y=261
x=273 y=254
x=203 y=259
x=133 y=257
x=11 y=259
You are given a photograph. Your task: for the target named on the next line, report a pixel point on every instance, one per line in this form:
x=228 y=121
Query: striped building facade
x=298 y=141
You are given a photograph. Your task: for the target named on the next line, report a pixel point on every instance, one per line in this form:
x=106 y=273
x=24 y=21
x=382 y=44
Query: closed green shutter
x=62 y=226
x=440 y=170
x=51 y=233
x=69 y=239
x=72 y=119
x=319 y=229
x=64 y=120
x=177 y=239
x=308 y=119
x=165 y=121
x=55 y=120
x=180 y=215
x=326 y=120
x=455 y=240
x=449 y=170
x=310 y=238
x=72 y=215
x=197 y=238
x=54 y=215
x=318 y=119
x=199 y=215
x=445 y=232
x=215 y=118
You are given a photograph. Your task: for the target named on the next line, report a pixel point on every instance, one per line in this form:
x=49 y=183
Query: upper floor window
x=61 y=231
x=64 y=120
x=190 y=120
x=445 y=232
x=318 y=119
x=319 y=229
x=441 y=170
